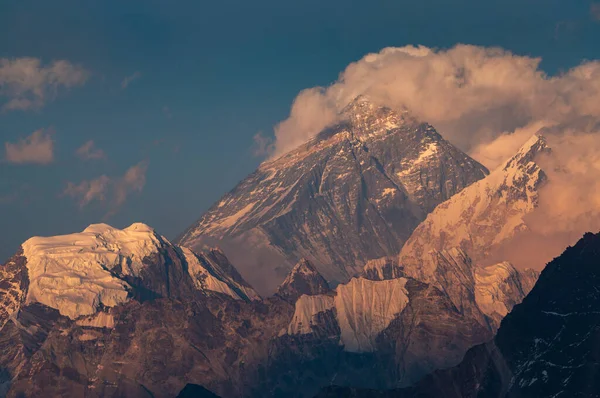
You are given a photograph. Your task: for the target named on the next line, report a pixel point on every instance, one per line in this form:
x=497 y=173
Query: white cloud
x=27 y=84
x=112 y=191
x=36 y=148
x=88 y=151
x=471 y=94
x=129 y=79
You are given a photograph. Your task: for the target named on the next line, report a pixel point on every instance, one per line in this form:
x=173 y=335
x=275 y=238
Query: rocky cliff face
x=303 y=279
x=545 y=347
x=353 y=193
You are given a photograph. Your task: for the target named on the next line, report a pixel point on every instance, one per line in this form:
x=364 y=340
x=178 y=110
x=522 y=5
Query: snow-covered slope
x=72 y=273
x=353 y=193
x=363 y=309
x=499 y=287
x=482 y=216
x=211 y=270
x=103 y=266
x=307 y=309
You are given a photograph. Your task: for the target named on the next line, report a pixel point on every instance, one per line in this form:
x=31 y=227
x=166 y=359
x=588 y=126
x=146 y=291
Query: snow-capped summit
x=139 y=226
x=353 y=193
x=75 y=273
x=369 y=120
x=482 y=216
x=527 y=153
x=302 y=279
x=103 y=266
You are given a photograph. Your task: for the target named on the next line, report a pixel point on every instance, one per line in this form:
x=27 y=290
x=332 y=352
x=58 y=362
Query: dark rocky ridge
x=303 y=279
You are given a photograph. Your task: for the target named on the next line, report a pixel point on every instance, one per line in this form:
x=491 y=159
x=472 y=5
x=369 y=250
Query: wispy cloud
x=134 y=180
x=167 y=112
x=89 y=151
x=595 y=10
x=129 y=79
x=37 y=148
x=88 y=191
x=27 y=84
x=113 y=191
x=262 y=146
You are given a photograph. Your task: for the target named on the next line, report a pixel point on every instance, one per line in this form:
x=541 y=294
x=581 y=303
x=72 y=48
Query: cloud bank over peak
x=472 y=95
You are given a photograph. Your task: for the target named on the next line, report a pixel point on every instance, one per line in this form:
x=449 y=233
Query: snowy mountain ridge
x=78 y=273
x=482 y=216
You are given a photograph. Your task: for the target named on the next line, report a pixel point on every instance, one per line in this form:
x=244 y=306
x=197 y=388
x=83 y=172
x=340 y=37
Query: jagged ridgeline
x=110 y=313
x=545 y=347
x=353 y=193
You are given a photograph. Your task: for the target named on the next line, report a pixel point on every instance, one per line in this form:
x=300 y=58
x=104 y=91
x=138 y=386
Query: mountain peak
x=98 y=228
x=139 y=227
x=361 y=103
x=376 y=174
x=302 y=279
x=369 y=119
x=527 y=153
x=484 y=216
x=111 y=265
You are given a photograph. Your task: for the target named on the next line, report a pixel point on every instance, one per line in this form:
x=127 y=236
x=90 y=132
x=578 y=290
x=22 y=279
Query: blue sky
x=179 y=89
